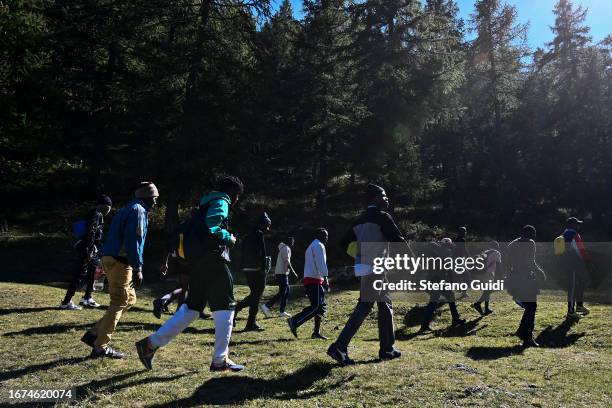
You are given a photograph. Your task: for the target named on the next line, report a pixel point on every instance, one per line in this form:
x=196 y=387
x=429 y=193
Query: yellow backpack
x=559 y=245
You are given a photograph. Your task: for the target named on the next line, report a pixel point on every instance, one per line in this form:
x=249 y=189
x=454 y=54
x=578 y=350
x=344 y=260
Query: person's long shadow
x=64 y=328
x=466 y=329
x=416 y=315
x=20 y=372
x=4 y=312
x=557 y=337
x=493 y=353
x=239 y=389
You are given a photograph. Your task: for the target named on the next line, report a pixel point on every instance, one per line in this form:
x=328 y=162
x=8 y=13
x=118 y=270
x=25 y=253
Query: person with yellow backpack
x=175 y=261
x=575 y=259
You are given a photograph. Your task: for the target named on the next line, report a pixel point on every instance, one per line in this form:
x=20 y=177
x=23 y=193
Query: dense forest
x=452 y=116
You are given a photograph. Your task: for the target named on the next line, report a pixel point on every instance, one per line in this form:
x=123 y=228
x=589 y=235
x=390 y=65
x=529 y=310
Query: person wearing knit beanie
x=90 y=232
x=122 y=261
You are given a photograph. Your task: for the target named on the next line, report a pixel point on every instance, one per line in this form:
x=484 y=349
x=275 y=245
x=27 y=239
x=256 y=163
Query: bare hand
x=137 y=278
x=233 y=239
x=163 y=269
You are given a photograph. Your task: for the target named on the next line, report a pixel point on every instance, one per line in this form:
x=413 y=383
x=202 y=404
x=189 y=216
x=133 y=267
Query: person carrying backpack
x=376 y=228
x=122 y=260
x=88 y=233
x=207 y=242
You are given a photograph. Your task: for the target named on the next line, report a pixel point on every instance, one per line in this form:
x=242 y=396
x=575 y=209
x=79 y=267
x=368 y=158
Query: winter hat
x=105 y=200
x=146 y=190
x=373 y=191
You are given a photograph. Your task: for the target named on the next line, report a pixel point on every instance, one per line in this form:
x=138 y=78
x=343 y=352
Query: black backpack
x=197 y=239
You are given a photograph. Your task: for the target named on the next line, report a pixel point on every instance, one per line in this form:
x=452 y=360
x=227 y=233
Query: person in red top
x=576 y=259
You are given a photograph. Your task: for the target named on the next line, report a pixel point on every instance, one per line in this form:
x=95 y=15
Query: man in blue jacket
x=122 y=263
x=207 y=244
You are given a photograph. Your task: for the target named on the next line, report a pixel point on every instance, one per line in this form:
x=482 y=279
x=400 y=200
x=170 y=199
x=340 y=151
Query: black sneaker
x=340 y=356
x=487 y=311
x=89 y=339
x=458 y=322
x=478 y=308
x=253 y=327
x=530 y=342
x=107 y=352
x=292 y=327
x=389 y=355
x=145 y=353
x=158 y=308
x=318 y=336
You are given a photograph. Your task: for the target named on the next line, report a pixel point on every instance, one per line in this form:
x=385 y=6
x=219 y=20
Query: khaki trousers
x=122 y=297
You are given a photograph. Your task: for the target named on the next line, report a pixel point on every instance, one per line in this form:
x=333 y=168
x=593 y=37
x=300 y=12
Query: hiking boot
x=266 y=311
x=107 y=352
x=89 y=338
x=69 y=306
x=319 y=336
x=284 y=314
x=340 y=356
x=89 y=303
x=253 y=327
x=145 y=352
x=158 y=308
x=292 y=327
x=227 y=365
x=478 y=308
x=389 y=355
x=582 y=310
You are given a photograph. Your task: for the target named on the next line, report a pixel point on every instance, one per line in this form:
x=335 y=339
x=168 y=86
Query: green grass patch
x=477 y=365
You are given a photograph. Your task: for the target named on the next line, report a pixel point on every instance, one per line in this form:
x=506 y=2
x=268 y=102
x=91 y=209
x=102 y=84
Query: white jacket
x=315 y=261
x=283 y=260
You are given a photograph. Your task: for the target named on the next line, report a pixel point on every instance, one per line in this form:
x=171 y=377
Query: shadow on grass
x=240 y=389
x=4 y=312
x=557 y=337
x=64 y=328
x=12 y=374
x=493 y=353
x=466 y=329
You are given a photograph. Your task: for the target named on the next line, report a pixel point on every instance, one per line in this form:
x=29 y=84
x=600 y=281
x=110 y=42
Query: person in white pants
x=210 y=283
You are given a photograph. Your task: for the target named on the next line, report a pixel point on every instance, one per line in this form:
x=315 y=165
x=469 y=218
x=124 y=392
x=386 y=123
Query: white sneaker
x=265 y=310
x=89 y=302
x=70 y=306
x=284 y=314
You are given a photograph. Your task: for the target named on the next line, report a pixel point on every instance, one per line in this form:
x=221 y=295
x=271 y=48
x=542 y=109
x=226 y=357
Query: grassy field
x=479 y=364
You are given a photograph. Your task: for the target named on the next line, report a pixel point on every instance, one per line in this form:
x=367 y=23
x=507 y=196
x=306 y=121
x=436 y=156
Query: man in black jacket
x=255 y=266
x=87 y=247
x=376 y=229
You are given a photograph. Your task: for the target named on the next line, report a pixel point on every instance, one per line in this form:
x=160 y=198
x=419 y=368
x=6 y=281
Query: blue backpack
x=79 y=229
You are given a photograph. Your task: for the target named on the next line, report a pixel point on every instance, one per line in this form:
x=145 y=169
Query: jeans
x=283 y=292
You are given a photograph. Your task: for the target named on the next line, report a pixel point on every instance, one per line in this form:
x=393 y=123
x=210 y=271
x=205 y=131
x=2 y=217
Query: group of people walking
x=199 y=252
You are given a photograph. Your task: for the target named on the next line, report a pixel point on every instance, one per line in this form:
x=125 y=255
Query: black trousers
x=210 y=282
x=434 y=298
x=83 y=270
x=257 y=283
x=528 y=321
x=317 y=307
